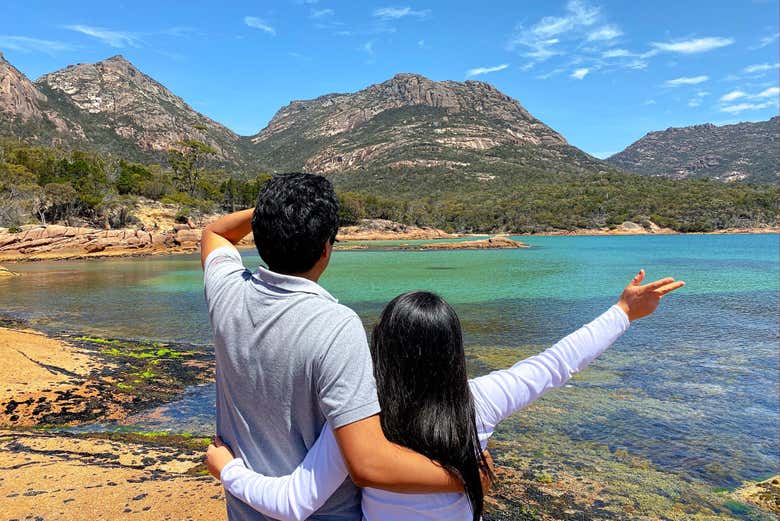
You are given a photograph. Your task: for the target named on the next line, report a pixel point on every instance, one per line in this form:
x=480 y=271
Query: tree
x=55 y=200
x=132 y=177
x=185 y=162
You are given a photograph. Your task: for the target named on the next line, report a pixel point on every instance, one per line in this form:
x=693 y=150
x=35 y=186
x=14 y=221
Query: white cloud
x=649 y=102
x=421 y=43
x=485 y=70
x=368 y=48
x=698 y=98
x=733 y=109
x=110 y=37
x=760 y=67
x=580 y=73
x=539 y=41
x=616 y=53
x=550 y=74
x=696 y=45
x=394 y=13
x=321 y=13
x=771 y=91
x=25 y=44
x=731 y=96
x=686 y=80
x=766 y=40
x=259 y=23
x=608 y=32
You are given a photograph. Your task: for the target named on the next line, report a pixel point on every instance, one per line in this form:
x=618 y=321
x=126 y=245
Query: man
x=289 y=357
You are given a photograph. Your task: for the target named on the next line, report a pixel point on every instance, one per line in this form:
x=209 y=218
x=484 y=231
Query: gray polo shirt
x=289 y=357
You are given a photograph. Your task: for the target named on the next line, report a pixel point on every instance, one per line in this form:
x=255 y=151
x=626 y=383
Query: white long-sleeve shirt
x=496 y=396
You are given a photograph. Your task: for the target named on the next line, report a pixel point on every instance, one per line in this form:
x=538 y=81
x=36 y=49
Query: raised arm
x=501 y=393
x=228 y=230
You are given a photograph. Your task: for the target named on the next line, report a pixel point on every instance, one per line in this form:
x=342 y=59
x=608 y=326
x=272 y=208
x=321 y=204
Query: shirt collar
x=291 y=283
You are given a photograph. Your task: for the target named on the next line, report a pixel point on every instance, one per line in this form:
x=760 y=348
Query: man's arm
x=228 y=230
x=375 y=462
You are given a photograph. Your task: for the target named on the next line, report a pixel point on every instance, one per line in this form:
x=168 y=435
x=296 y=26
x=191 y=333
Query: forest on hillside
x=78 y=187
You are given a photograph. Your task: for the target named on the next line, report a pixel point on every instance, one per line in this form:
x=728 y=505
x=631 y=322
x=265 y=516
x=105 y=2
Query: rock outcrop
x=63 y=242
x=498 y=242
x=764 y=494
x=18 y=96
x=384 y=230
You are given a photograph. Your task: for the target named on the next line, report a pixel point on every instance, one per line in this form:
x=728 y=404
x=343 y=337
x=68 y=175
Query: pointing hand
x=639 y=301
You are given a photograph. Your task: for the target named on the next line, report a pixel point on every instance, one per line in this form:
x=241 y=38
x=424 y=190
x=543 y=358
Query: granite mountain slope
x=413 y=123
x=109 y=106
x=742 y=152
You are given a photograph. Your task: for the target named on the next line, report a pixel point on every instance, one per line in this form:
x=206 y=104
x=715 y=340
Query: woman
x=429 y=406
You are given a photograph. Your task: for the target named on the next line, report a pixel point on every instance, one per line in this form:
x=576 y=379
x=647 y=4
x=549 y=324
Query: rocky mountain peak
x=335 y=114
x=19 y=99
x=403 y=122
x=125 y=101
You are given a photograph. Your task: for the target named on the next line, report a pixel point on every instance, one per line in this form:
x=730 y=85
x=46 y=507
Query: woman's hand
x=217 y=456
x=639 y=301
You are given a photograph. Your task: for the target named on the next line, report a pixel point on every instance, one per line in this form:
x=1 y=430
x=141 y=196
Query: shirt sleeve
x=501 y=393
x=344 y=376
x=295 y=496
x=223 y=268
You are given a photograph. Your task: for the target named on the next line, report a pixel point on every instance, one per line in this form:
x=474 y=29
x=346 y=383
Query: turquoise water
x=693 y=389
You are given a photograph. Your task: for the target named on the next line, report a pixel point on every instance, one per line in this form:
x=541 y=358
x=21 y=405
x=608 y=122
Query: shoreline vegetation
x=165 y=236
x=120 y=207
x=158 y=475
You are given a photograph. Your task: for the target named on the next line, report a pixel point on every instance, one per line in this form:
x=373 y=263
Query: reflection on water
x=693 y=389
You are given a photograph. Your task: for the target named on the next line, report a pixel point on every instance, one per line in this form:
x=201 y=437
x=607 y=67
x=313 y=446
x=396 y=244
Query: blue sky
x=603 y=73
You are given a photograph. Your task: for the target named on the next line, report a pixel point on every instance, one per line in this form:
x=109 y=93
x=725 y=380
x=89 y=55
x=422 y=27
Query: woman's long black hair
x=420 y=371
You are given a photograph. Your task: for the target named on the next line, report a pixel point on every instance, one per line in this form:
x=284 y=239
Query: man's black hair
x=296 y=214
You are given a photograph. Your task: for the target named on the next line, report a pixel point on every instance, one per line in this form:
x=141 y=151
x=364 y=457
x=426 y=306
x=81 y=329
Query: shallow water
x=692 y=389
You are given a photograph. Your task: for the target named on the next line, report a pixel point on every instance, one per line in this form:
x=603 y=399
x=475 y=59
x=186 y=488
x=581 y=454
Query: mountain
x=24 y=110
x=18 y=95
x=109 y=106
x=118 y=105
x=413 y=123
x=741 y=152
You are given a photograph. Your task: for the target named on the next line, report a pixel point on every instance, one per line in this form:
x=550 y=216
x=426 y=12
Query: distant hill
x=460 y=156
x=411 y=124
x=109 y=106
x=741 y=152
x=408 y=123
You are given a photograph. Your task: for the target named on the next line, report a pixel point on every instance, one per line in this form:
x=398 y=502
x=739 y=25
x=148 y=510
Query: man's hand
x=487 y=475
x=639 y=301
x=228 y=230
x=217 y=456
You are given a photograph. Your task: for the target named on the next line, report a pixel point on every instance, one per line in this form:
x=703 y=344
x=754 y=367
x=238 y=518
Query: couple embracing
x=315 y=423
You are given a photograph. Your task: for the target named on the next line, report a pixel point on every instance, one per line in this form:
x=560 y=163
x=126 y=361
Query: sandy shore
x=54 y=381
x=45 y=380
x=50 y=476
